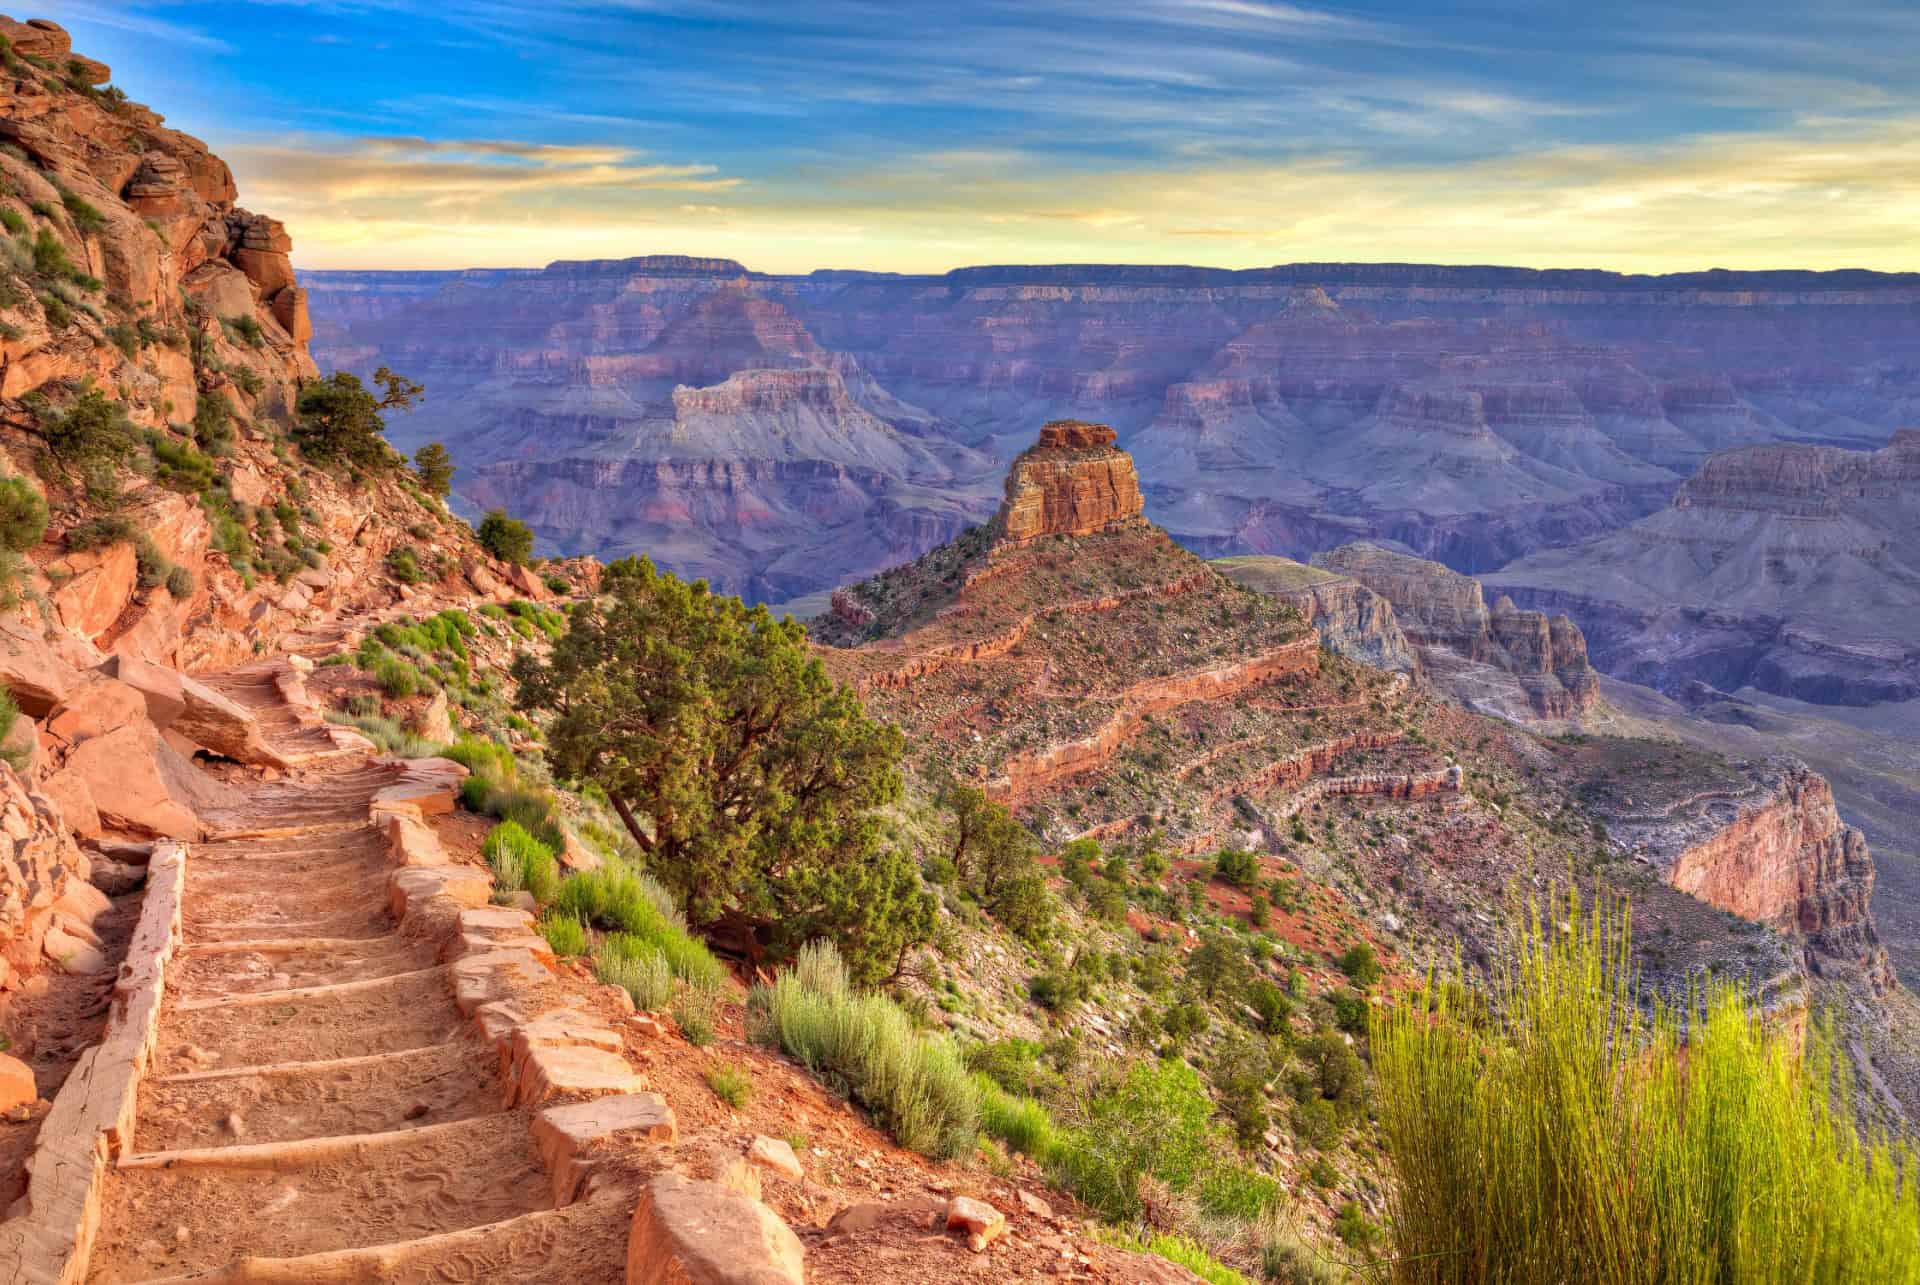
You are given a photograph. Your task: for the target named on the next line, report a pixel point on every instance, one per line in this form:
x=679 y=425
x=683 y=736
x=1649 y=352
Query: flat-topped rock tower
x=1073 y=481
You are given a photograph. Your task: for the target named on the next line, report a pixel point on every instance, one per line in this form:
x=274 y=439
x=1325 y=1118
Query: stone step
x=582 y=1244
x=294 y=964
x=288 y=1199
x=375 y=1094
x=418 y=1009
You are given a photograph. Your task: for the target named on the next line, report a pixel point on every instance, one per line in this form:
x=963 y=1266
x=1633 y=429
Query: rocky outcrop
x=1773 y=850
x=1352 y=620
x=1517 y=664
x=42 y=875
x=1791 y=568
x=1073 y=481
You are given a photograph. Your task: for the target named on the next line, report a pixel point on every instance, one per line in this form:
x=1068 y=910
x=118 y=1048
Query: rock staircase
x=319 y=1106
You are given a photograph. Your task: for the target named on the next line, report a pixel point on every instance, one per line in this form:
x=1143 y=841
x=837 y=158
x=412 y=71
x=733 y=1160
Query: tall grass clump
x=565 y=934
x=1577 y=1134
x=621 y=900
x=636 y=966
x=521 y=862
x=915 y=1084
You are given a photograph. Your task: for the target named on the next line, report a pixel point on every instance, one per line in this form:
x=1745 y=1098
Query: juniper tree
x=748 y=779
x=435 y=467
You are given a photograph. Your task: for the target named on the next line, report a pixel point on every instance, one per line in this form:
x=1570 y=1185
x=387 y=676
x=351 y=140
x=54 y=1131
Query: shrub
x=180 y=466
x=1360 y=966
x=397 y=678
x=435 y=467
x=731 y=1085
x=97 y=533
x=213 y=423
x=522 y=863
x=92 y=430
x=693 y=1013
x=1241 y=869
x=914 y=1084
x=1152 y=1124
x=403 y=566
x=567 y=935
x=247 y=328
x=640 y=968
x=1571 y=1131
x=50 y=256
x=23 y=515
x=9 y=715
x=505 y=538
x=1020 y=1122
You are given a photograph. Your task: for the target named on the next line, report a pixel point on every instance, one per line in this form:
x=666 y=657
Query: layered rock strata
x=1074 y=481
x=1503 y=660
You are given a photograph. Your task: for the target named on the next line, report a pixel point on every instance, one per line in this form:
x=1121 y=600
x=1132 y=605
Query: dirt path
x=314 y=1088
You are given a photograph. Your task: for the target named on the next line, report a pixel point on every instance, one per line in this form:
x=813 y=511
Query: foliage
x=993 y=854
x=9 y=715
x=1152 y=1124
x=397 y=678
x=339 y=420
x=23 y=515
x=213 y=423
x=93 y=430
x=435 y=467
x=521 y=862
x=731 y=1085
x=1239 y=868
x=914 y=1084
x=507 y=539
x=745 y=776
x=1577 y=1134
x=565 y=934
x=1360 y=965
x=640 y=968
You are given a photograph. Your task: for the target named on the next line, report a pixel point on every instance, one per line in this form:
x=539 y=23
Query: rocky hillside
x=1471 y=414
x=1374 y=604
x=162 y=521
x=1109 y=686
x=1793 y=569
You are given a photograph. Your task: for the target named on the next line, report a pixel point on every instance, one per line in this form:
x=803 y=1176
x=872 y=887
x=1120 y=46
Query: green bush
x=505 y=538
x=731 y=1085
x=521 y=863
x=98 y=533
x=9 y=715
x=1152 y=1124
x=397 y=678
x=617 y=898
x=94 y=429
x=627 y=961
x=1360 y=965
x=1571 y=1131
x=567 y=935
x=915 y=1084
x=23 y=515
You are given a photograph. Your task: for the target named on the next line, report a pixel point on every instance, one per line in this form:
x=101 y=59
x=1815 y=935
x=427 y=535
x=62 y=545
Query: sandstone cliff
x=1518 y=664
x=1073 y=481
x=1767 y=845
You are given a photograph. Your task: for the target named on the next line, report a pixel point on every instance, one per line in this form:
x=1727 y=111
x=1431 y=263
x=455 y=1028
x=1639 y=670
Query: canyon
x=1469 y=415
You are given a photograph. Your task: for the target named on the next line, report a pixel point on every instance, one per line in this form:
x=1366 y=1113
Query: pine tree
x=435 y=467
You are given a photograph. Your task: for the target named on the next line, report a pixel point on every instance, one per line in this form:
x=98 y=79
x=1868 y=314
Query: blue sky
x=397 y=133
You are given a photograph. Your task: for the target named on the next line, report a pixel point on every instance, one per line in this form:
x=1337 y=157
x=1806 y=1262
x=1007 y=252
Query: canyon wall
x=1791 y=568
x=1502 y=660
x=1471 y=415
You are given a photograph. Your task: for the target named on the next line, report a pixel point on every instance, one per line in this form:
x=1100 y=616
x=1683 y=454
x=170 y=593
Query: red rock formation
x=1775 y=852
x=1073 y=481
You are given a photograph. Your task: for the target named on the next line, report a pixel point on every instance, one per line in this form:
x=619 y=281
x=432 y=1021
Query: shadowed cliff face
x=1793 y=569
x=1470 y=415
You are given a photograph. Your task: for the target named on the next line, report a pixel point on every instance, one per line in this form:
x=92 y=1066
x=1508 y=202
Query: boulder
x=529 y=584
x=161 y=687
x=222 y=725
x=136 y=781
x=434 y=722
x=97 y=705
x=72 y=798
x=36 y=674
x=978 y=1221
x=700 y=1233
x=776 y=1156
x=17 y=1088
x=75 y=951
